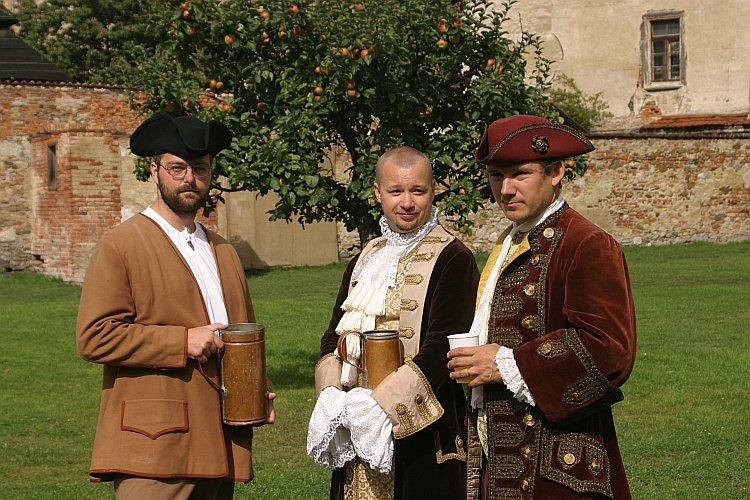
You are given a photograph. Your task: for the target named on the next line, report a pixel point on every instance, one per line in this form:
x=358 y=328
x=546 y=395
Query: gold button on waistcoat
x=596 y=466
x=400 y=409
x=548 y=233
x=526 y=452
x=528 y=322
x=569 y=458
x=529 y=420
x=535 y=260
x=529 y=289
x=545 y=348
x=525 y=485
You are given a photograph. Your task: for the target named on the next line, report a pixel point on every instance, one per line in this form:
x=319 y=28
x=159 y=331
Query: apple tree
x=297 y=80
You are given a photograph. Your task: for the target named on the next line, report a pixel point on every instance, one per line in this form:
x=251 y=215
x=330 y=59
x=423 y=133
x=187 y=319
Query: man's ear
x=558 y=173
x=154 y=172
x=377 y=191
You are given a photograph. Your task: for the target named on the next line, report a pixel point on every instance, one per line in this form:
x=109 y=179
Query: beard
x=183 y=204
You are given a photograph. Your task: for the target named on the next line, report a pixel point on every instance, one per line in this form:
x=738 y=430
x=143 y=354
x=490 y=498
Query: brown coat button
x=545 y=348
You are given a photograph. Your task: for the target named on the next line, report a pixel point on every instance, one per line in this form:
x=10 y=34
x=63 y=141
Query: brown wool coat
x=159 y=416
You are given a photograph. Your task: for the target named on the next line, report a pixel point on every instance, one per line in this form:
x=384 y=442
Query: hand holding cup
x=463 y=340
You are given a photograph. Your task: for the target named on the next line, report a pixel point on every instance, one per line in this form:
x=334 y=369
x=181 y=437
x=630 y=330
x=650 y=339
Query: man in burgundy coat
x=556 y=323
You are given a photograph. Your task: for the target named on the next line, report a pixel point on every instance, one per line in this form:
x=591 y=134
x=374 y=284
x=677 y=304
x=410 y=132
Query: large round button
x=569 y=458
x=529 y=420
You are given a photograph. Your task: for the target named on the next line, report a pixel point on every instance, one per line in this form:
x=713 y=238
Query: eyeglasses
x=178 y=171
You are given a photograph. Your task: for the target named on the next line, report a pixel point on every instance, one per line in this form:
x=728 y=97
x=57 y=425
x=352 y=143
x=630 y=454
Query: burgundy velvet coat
x=448 y=309
x=564 y=305
x=159 y=415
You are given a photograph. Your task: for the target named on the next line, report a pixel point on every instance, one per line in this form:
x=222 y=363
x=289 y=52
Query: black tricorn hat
x=184 y=136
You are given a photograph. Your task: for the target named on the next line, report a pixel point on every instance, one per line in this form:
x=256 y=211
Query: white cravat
x=197 y=252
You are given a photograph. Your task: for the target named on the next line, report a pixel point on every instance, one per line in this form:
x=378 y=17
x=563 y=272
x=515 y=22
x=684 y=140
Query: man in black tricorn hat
x=556 y=324
x=157 y=289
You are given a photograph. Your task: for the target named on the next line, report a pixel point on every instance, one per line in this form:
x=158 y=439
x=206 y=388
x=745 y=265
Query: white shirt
x=197 y=252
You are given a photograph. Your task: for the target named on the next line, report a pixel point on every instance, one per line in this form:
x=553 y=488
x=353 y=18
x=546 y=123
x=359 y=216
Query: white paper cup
x=463 y=340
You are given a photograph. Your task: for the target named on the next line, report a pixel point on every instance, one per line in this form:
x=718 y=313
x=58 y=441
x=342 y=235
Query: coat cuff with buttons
x=407 y=398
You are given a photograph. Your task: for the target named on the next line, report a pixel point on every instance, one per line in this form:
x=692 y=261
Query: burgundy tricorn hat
x=184 y=136
x=525 y=138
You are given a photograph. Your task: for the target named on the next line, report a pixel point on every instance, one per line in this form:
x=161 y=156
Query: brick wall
x=53 y=230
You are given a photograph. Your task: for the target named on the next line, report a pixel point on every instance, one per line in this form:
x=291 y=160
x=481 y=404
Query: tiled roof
x=18 y=61
x=699 y=121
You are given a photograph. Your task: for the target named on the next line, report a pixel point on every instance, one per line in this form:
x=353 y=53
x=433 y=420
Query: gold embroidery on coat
x=509 y=466
x=413 y=279
x=506 y=306
x=507 y=493
x=424 y=410
x=404 y=416
x=517 y=277
x=560 y=448
x=423 y=257
x=508 y=337
x=508 y=434
x=459 y=454
x=409 y=305
x=591 y=385
x=552 y=348
x=407 y=332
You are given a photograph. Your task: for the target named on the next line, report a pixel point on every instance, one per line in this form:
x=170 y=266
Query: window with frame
x=664 y=64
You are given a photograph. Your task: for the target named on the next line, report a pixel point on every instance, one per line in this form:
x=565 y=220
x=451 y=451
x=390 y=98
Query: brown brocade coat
x=564 y=305
x=159 y=416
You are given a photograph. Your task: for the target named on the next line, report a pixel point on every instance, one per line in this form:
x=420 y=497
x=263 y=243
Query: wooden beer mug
x=243 y=374
x=382 y=354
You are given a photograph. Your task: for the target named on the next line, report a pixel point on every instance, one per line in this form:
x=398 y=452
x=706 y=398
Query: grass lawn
x=682 y=426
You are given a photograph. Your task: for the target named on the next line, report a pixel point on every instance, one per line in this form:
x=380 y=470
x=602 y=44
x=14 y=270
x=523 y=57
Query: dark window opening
x=52 y=167
x=665 y=50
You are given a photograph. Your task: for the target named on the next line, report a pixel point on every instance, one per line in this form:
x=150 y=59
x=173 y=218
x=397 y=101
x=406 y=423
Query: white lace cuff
x=506 y=365
x=371 y=429
x=328 y=442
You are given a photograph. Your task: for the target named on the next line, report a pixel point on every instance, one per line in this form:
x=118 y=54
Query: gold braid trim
x=441 y=457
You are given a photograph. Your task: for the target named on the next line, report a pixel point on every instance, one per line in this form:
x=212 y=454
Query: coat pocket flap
x=154 y=417
x=577 y=461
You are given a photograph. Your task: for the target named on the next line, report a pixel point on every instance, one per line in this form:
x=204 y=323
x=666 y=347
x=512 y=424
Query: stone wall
x=655 y=191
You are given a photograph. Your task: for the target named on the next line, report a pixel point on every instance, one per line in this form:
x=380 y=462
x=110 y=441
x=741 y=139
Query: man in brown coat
x=557 y=331
x=157 y=289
